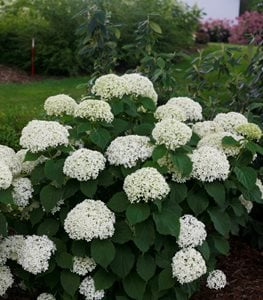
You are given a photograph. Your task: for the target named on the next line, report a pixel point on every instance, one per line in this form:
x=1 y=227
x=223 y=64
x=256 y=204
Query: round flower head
x=192 y=232
x=192 y=109
x=84 y=164
x=90 y=219
x=94 y=110
x=216 y=280
x=6 y=279
x=35 y=253
x=10 y=247
x=205 y=128
x=40 y=135
x=171 y=133
x=46 y=296
x=215 y=140
x=83 y=265
x=5 y=176
x=250 y=130
x=87 y=288
x=188 y=265
x=140 y=85
x=8 y=156
x=60 y=105
x=145 y=184
x=229 y=121
x=246 y=203
x=128 y=150
x=209 y=164
x=110 y=86
x=260 y=186
x=169 y=111
x=28 y=166
x=22 y=191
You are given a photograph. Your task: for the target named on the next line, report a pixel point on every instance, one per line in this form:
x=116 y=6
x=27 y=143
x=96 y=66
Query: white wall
x=217 y=9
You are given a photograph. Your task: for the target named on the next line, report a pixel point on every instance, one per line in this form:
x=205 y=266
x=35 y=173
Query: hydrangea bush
x=116 y=198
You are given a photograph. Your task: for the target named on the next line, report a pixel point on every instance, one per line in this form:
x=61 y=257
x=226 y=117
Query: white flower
x=140 y=85
x=35 y=253
x=110 y=86
x=209 y=164
x=94 y=110
x=46 y=296
x=83 y=265
x=192 y=232
x=22 y=191
x=59 y=105
x=87 y=288
x=205 y=128
x=171 y=133
x=8 y=156
x=5 y=176
x=246 y=203
x=145 y=184
x=229 y=121
x=260 y=186
x=6 y=279
x=28 y=166
x=10 y=247
x=40 y=135
x=57 y=207
x=215 y=140
x=188 y=265
x=128 y=150
x=84 y=164
x=250 y=130
x=216 y=280
x=169 y=111
x=191 y=108
x=89 y=220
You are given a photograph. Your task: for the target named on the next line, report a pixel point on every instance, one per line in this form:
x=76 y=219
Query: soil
x=11 y=74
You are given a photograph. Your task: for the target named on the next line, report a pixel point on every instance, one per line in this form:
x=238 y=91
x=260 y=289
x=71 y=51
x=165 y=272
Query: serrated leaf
x=144 y=235
x=117 y=107
x=89 y=188
x=148 y=104
x=220 y=220
x=137 y=212
x=38 y=175
x=217 y=191
x=253 y=147
x=102 y=251
x=54 y=170
x=167 y=222
x=6 y=196
x=122 y=233
x=70 y=282
x=118 y=202
x=182 y=163
x=158 y=152
x=120 y=126
x=134 y=286
x=145 y=266
x=123 y=261
x=100 y=137
x=198 y=202
x=103 y=279
x=50 y=196
x=230 y=141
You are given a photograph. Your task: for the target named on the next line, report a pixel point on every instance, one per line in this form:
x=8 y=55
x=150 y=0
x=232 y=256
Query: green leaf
x=143 y=129
x=54 y=170
x=246 y=176
x=83 y=127
x=145 y=266
x=122 y=233
x=38 y=175
x=79 y=248
x=217 y=191
x=155 y=27
x=123 y=261
x=6 y=196
x=103 y=279
x=3 y=225
x=198 y=202
x=100 y=137
x=89 y=188
x=144 y=235
x=178 y=192
x=48 y=226
x=70 y=282
x=204 y=250
x=118 y=202
x=148 y=104
x=182 y=163
x=230 y=141
x=221 y=244
x=167 y=222
x=36 y=216
x=130 y=108
x=238 y=208
x=120 y=126
x=70 y=189
x=117 y=107
x=253 y=147
x=64 y=260
x=137 y=212
x=158 y=152
x=102 y=251
x=166 y=280
x=31 y=156
x=50 y=196
x=134 y=286
x=220 y=220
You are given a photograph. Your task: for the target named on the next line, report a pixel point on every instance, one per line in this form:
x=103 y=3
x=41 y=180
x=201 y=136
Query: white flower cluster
x=246 y=203
x=83 y=265
x=28 y=166
x=171 y=133
x=60 y=105
x=46 y=296
x=169 y=111
x=216 y=280
x=8 y=157
x=191 y=108
x=10 y=247
x=188 y=265
x=139 y=85
x=205 y=128
x=229 y=121
x=94 y=110
x=128 y=150
x=249 y=130
x=110 y=86
x=57 y=207
x=6 y=279
x=40 y=135
x=209 y=164
x=260 y=186
x=35 y=253
x=192 y=232
x=145 y=184
x=5 y=176
x=88 y=220
x=87 y=288
x=215 y=140
x=22 y=191
x=84 y=164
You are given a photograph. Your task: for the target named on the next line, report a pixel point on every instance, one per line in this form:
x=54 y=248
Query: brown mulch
x=11 y=74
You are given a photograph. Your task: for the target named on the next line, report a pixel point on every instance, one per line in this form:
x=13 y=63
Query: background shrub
x=218 y=30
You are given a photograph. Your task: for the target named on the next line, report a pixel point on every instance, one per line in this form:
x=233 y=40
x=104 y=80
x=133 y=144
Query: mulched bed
x=11 y=74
